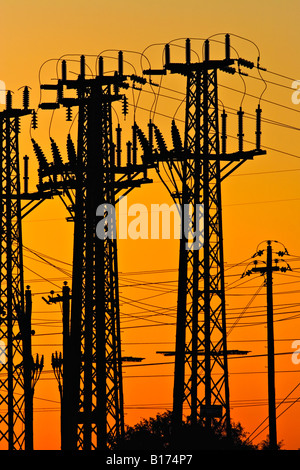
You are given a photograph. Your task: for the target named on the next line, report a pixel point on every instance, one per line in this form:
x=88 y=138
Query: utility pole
x=201 y=162
x=271 y=357
x=267 y=269
x=61 y=361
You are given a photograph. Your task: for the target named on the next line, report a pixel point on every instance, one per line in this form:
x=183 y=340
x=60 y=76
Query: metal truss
x=92 y=371
x=18 y=370
x=201 y=387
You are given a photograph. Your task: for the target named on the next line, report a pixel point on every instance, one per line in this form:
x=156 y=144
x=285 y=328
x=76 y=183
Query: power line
x=295 y=401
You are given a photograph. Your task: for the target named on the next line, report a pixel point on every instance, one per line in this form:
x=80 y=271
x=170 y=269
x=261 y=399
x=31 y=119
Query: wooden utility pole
x=271 y=359
x=267 y=269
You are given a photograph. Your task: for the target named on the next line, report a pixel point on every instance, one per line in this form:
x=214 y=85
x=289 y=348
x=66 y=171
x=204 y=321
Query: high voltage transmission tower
x=19 y=372
x=94 y=175
x=201 y=162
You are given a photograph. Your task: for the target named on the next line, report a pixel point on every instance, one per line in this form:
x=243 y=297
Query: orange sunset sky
x=261 y=200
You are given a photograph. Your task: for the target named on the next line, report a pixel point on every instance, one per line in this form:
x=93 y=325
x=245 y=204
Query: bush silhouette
x=156 y=434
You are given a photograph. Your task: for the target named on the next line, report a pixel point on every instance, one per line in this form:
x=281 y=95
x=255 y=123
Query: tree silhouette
x=156 y=434
x=265 y=444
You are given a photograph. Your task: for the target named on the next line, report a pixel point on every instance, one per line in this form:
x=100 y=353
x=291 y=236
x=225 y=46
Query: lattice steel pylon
x=92 y=370
x=201 y=162
x=18 y=370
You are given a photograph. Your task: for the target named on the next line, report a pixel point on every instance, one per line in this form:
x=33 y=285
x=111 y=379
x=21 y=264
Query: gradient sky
x=261 y=201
